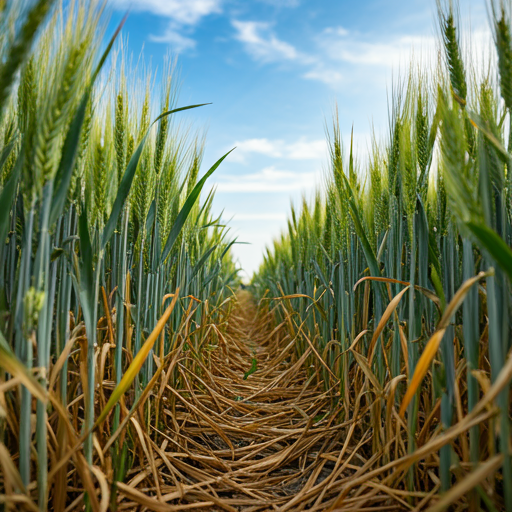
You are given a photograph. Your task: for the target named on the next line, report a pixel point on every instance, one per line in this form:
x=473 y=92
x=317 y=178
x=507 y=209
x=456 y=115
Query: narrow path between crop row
x=263 y=442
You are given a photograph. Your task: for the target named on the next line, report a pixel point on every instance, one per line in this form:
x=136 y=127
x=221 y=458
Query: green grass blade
x=67 y=161
x=187 y=208
x=494 y=245
x=86 y=283
x=4 y=155
x=202 y=261
x=7 y=197
x=21 y=48
x=108 y=49
x=252 y=369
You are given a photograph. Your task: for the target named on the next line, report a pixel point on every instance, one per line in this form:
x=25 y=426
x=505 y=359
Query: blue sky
x=274 y=71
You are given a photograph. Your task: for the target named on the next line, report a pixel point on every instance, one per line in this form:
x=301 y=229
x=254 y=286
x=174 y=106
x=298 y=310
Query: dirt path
x=254 y=444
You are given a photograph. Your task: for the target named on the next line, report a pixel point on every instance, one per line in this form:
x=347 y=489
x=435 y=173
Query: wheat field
x=367 y=366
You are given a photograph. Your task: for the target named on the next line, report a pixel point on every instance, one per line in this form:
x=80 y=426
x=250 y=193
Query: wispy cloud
x=363 y=57
x=343 y=57
x=281 y=3
x=262 y=43
x=184 y=12
x=325 y=75
x=183 y=16
x=173 y=37
x=334 y=53
x=305 y=149
x=255 y=216
x=269 y=179
x=302 y=149
x=342 y=45
x=265 y=147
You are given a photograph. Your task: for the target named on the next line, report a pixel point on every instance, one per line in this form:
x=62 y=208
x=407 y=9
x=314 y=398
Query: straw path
x=277 y=440
x=267 y=442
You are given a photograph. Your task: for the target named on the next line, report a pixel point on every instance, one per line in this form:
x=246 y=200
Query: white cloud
x=269 y=179
x=343 y=57
x=265 y=147
x=183 y=15
x=340 y=31
x=178 y=41
x=335 y=47
x=327 y=76
x=255 y=216
x=307 y=150
x=338 y=44
x=261 y=43
x=184 y=12
x=282 y=3
x=302 y=149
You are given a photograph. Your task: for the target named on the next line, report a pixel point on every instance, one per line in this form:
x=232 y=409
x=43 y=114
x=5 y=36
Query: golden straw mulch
x=272 y=441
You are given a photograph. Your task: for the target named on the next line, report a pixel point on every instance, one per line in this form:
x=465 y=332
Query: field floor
x=265 y=442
